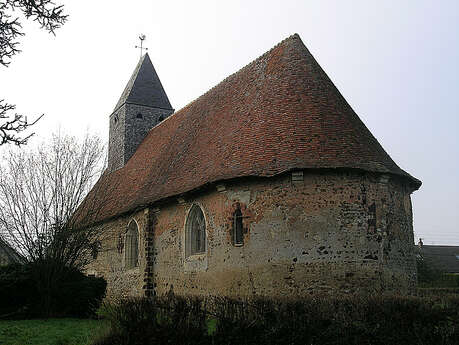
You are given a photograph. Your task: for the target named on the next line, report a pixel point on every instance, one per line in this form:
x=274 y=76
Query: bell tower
x=142 y=105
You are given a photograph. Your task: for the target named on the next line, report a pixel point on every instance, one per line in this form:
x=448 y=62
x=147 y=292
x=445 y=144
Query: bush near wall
x=430 y=276
x=17 y=290
x=75 y=295
x=445 y=280
x=80 y=295
x=320 y=320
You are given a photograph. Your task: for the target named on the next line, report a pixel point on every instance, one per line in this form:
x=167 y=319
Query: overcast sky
x=396 y=63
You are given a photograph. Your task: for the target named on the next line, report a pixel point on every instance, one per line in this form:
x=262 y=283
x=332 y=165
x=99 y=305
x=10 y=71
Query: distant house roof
x=445 y=258
x=279 y=113
x=8 y=255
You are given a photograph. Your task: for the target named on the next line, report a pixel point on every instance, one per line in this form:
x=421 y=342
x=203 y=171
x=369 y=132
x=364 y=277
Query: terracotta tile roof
x=280 y=112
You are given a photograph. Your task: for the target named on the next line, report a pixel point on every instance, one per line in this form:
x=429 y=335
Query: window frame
x=195 y=237
x=130 y=260
x=238 y=228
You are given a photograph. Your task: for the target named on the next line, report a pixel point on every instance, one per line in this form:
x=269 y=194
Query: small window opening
x=238 y=236
x=95 y=248
x=160 y=118
x=115 y=119
x=139 y=116
x=372 y=218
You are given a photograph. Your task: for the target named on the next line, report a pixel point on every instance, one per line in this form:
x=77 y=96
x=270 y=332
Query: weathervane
x=142 y=38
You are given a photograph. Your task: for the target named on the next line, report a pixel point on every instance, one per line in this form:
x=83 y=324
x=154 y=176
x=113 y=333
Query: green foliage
x=24 y=292
x=437 y=292
x=142 y=321
x=352 y=320
x=17 y=290
x=432 y=277
x=212 y=326
x=427 y=273
x=51 y=331
x=80 y=296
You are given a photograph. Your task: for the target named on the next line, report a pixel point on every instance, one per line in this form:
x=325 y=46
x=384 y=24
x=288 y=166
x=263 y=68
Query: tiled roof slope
x=144 y=87
x=280 y=112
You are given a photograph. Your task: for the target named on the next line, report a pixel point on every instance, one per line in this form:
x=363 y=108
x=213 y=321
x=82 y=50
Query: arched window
x=195 y=232
x=139 y=116
x=238 y=236
x=131 y=246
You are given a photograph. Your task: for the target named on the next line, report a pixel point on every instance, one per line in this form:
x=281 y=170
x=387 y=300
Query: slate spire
x=144 y=87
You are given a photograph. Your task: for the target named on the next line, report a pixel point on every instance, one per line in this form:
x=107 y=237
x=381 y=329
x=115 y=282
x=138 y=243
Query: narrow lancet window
x=238 y=236
x=131 y=251
x=195 y=235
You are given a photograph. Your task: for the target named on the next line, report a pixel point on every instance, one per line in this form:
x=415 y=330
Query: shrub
x=24 y=292
x=80 y=295
x=429 y=276
x=362 y=320
x=140 y=321
x=427 y=272
x=17 y=290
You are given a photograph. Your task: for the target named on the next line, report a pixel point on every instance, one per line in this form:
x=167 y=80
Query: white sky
x=396 y=63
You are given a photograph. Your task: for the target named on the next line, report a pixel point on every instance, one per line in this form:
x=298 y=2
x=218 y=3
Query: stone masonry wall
x=137 y=128
x=116 y=137
x=129 y=125
x=110 y=262
x=325 y=232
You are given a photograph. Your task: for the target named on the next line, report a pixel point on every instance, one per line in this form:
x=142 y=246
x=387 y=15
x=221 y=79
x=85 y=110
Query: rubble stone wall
x=304 y=233
x=110 y=261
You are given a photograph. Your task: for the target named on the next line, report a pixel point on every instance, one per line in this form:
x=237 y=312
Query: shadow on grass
x=52 y=331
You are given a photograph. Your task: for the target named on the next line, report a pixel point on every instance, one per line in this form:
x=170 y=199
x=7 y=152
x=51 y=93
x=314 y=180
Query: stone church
x=268 y=184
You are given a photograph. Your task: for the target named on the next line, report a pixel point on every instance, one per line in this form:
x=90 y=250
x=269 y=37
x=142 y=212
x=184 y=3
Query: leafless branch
x=10 y=128
x=45 y=12
x=50 y=17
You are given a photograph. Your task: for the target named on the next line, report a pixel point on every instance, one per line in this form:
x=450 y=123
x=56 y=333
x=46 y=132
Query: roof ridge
x=293 y=36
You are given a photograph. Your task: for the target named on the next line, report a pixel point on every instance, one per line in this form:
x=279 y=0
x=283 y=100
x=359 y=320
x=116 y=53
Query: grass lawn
x=51 y=331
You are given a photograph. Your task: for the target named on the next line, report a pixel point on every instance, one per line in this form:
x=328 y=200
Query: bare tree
x=45 y=207
x=41 y=212
x=50 y=17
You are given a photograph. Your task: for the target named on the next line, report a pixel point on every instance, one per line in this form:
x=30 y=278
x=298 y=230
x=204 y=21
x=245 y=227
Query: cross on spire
x=142 y=38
